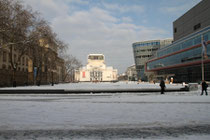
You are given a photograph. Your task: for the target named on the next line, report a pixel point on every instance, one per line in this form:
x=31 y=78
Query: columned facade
x=96 y=70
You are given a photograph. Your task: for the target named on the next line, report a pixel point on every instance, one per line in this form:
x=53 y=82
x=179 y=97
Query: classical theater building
x=96 y=70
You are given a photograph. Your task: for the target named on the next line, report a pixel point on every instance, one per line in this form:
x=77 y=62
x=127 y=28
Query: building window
x=197 y=26
x=4 y=56
x=175 y=30
x=14 y=58
x=23 y=61
x=3 y=66
x=26 y=61
x=9 y=58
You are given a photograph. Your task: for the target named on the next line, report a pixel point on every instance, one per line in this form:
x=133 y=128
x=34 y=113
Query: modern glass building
x=143 y=51
x=183 y=58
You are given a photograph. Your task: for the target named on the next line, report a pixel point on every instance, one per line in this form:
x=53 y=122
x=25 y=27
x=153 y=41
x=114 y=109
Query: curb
x=82 y=91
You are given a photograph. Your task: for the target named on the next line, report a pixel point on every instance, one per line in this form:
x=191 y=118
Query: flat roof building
x=193 y=20
x=143 y=51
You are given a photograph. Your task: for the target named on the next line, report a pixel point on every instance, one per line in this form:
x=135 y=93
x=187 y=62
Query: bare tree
x=71 y=64
x=22 y=31
x=39 y=50
x=50 y=48
x=16 y=27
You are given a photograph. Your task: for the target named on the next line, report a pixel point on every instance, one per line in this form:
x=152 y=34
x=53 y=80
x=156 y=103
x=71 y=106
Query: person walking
x=162 y=86
x=204 y=87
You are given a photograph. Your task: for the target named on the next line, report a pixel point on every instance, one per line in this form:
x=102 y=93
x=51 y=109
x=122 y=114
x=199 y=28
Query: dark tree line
x=24 y=31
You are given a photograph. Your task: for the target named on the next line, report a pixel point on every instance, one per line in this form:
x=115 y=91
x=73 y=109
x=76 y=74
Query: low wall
x=81 y=91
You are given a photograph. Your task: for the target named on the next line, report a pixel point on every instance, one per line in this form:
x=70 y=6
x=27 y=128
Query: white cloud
x=96 y=31
x=126 y=19
x=174 y=10
x=49 y=8
x=82 y=2
x=124 y=8
x=178 y=7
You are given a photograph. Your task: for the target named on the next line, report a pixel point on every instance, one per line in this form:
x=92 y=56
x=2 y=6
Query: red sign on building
x=83 y=74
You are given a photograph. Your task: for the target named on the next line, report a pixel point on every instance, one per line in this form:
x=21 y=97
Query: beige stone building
x=43 y=61
x=7 y=73
x=96 y=70
x=131 y=73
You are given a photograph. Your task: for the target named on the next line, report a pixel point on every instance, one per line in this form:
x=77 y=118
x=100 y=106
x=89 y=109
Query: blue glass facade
x=177 y=55
x=146 y=44
x=185 y=43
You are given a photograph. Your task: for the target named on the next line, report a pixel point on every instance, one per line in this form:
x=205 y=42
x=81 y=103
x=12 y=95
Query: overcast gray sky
x=110 y=26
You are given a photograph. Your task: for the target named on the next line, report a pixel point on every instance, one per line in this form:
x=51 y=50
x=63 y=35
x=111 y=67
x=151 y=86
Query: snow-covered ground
x=118 y=85
x=181 y=115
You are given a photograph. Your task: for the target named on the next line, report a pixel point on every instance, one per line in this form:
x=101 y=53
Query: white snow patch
x=96 y=111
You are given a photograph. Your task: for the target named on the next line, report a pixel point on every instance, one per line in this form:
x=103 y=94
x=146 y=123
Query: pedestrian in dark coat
x=204 y=87
x=162 y=85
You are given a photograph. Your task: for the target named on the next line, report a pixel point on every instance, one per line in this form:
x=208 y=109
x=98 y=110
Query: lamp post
x=35 y=74
x=202 y=56
x=52 y=84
